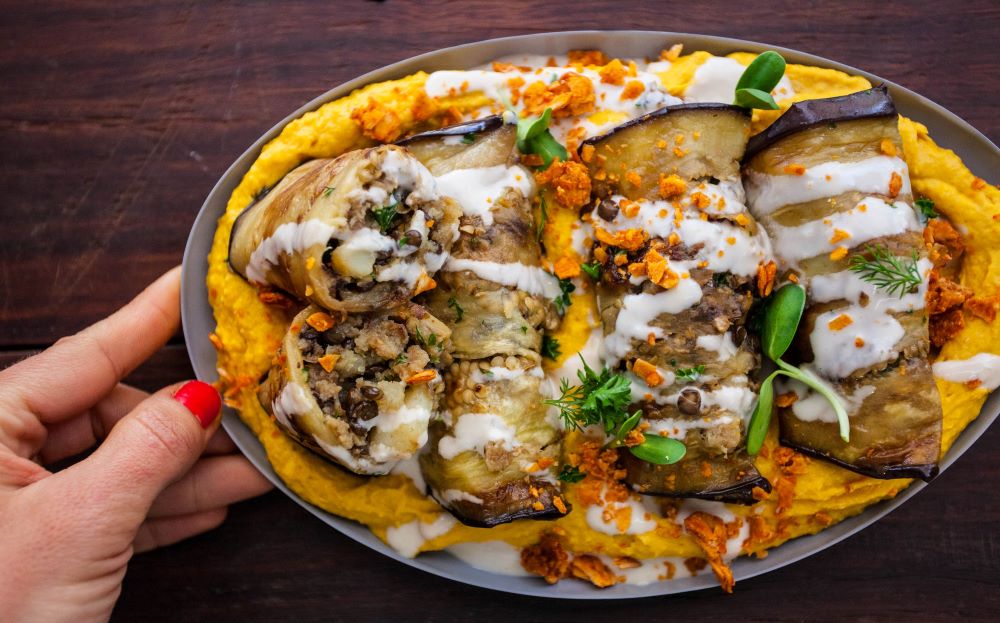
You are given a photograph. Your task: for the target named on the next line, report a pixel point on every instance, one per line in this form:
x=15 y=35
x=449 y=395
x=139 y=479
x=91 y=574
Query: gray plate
x=976 y=150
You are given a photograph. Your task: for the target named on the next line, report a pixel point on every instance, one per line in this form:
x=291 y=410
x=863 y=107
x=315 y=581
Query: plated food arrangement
x=616 y=320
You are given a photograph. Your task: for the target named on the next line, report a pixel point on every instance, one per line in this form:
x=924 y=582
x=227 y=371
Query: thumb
x=150 y=448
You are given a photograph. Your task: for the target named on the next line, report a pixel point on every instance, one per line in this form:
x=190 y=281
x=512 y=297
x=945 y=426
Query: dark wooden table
x=116 y=121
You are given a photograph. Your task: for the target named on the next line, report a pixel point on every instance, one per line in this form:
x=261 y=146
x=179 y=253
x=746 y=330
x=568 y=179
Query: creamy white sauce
x=530 y=279
x=406 y=415
x=406 y=272
x=848 y=285
x=404 y=171
x=640 y=522
x=288 y=239
x=767 y=193
x=493 y=556
x=473 y=431
x=984 y=367
x=477 y=190
x=715 y=81
x=500 y=373
x=411 y=469
x=408 y=538
x=836 y=352
x=792 y=244
x=812 y=406
x=293 y=400
x=639 y=310
x=721 y=344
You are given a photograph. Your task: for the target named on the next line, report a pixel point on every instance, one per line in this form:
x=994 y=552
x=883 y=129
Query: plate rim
x=195 y=306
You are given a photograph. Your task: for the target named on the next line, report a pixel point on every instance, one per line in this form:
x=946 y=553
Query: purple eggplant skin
x=872 y=103
x=663 y=112
x=733 y=480
x=459 y=129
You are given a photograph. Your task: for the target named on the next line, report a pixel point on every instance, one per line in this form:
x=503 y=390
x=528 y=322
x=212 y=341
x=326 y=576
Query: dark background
x=117 y=118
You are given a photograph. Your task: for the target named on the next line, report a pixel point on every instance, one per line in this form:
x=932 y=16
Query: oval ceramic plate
x=977 y=151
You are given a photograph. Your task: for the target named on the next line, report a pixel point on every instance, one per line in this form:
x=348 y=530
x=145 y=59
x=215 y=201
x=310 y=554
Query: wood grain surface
x=117 y=118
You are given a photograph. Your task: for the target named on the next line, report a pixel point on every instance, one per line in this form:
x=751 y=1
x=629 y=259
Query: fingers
x=148 y=449
x=212 y=483
x=78 y=371
x=162 y=531
x=75 y=435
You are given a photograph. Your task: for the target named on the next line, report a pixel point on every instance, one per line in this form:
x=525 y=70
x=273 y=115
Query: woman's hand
x=162 y=471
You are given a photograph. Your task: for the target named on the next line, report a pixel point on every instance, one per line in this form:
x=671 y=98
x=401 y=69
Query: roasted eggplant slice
x=485 y=457
x=828 y=184
x=680 y=259
x=358 y=389
x=357 y=233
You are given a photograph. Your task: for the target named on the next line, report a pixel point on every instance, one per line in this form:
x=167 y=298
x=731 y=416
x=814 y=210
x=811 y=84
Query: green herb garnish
x=400 y=358
x=543 y=216
x=459 y=312
x=469 y=138
x=533 y=137
x=895 y=275
x=758 y=80
x=328 y=190
x=721 y=279
x=570 y=474
x=550 y=347
x=566 y=287
x=689 y=374
x=602 y=399
x=781 y=321
x=593 y=270
x=385 y=216
x=925 y=209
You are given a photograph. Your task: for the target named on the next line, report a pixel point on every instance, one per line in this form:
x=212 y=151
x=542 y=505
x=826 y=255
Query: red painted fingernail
x=201 y=399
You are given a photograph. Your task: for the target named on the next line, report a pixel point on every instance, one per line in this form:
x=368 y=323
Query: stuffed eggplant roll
x=680 y=262
x=828 y=183
x=358 y=233
x=358 y=389
x=487 y=460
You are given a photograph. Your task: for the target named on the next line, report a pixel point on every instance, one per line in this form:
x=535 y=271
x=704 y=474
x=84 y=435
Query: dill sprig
x=896 y=275
x=600 y=398
x=384 y=216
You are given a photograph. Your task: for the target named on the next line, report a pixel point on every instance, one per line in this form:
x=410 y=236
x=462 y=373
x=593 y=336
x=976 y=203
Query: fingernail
x=201 y=399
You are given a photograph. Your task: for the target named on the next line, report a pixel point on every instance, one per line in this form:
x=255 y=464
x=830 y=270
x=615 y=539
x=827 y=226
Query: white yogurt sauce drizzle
x=473 y=431
x=984 y=367
x=493 y=556
x=715 y=81
x=477 y=190
x=408 y=538
x=531 y=279
x=639 y=310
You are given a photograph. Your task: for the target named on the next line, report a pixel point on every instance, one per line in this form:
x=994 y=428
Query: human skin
x=160 y=470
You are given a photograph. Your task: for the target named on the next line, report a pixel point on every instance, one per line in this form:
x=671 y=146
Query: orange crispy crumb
x=651 y=339
x=613 y=73
x=424 y=376
x=838 y=235
x=270 y=297
x=786 y=400
x=895 y=184
x=310 y=262
x=632 y=90
x=673 y=53
x=547 y=558
x=671 y=186
x=570 y=182
x=984 y=307
x=840 y=322
x=887 y=147
x=838 y=254
x=795 y=169
x=570 y=95
x=647 y=372
x=586 y=57
x=859 y=342
x=793 y=277
x=321 y=321
x=590 y=568
x=700 y=200
x=633 y=178
x=658 y=270
x=978 y=183
x=215 y=340
x=742 y=220
x=766 y=277
x=587 y=153
x=711 y=535
x=377 y=121
x=628 y=239
x=680 y=153
x=559 y=504
x=424 y=284
x=328 y=361
x=566 y=267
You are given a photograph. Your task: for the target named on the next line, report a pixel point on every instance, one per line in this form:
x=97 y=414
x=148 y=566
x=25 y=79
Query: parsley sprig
x=895 y=275
x=550 y=347
x=602 y=399
x=689 y=374
x=566 y=287
x=384 y=216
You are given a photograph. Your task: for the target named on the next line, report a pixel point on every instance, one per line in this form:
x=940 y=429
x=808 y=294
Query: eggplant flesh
x=494 y=384
x=330 y=232
x=893 y=402
x=709 y=142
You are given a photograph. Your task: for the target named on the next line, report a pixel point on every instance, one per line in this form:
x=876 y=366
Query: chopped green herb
x=459 y=312
x=543 y=216
x=758 y=80
x=925 y=209
x=593 y=270
x=385 y=216
x=689 y=374
x=533 y=137
x=400 y=358
x=895 y=275
x=570 y=474
x=469 y=138
x=721 y=279
x=328 y=190
x=563 y=301
x=550 y=347
x=524 y=329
